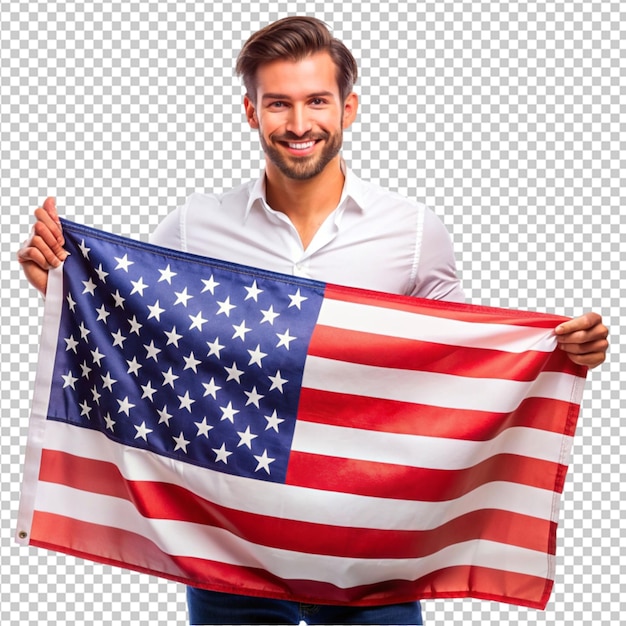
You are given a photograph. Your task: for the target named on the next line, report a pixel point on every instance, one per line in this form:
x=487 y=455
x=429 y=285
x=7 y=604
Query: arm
x=584 y=338
x=43 y=249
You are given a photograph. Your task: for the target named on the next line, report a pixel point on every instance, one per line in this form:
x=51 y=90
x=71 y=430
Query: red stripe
x=336 y=409
x=386 y=480
x=449 y=310
x=406 y=354
x=157 y=500
x=56 y=532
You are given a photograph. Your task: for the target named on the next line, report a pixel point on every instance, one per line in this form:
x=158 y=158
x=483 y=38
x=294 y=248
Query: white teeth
x=301 y=146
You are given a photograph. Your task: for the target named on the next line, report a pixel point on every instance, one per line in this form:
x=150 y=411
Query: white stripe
x=395 y=323
x=205 y=542
x=41 y=398
x=432 y=389
x=298 y=503
x=420 y=451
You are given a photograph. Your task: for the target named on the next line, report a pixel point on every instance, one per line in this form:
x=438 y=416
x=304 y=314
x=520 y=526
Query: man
x=308 y=215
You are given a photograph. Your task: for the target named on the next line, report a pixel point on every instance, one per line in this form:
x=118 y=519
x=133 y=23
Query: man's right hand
x=43 y=250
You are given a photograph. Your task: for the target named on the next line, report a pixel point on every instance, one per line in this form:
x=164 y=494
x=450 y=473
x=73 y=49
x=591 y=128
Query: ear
x=250 y=110
x=350 y=109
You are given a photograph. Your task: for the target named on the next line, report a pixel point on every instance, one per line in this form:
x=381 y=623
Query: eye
x=278 y=104
x=318 y=102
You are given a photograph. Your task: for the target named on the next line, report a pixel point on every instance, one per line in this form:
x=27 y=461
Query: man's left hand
x=584 y=338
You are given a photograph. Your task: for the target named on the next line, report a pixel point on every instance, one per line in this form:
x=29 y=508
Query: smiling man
x=308 y=215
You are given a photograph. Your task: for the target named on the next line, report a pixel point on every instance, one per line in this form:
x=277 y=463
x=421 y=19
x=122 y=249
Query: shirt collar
x=353 y=189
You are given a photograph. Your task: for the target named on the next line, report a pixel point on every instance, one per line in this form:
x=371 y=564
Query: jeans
x=211 y=607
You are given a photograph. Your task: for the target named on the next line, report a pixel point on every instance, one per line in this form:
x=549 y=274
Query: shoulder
x=200 y=212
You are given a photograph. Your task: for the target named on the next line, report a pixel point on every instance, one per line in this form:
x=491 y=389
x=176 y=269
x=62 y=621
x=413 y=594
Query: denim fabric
x=210 y=607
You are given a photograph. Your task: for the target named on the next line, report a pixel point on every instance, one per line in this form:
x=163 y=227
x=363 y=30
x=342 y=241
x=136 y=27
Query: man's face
x=300 y=115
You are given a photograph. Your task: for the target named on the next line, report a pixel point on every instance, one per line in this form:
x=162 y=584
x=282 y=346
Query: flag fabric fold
x=250 y=432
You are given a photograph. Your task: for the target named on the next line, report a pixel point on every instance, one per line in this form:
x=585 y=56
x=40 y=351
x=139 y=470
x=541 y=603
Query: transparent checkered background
x=505 y=117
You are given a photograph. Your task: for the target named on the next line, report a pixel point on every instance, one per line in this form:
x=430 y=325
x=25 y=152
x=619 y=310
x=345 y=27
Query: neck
x=307 y=203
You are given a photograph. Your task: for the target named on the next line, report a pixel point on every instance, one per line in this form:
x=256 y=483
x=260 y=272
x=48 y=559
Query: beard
x=305 y=167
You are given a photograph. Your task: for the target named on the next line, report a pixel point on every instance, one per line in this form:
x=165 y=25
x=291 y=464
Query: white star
x=273 y=421
x=71 y=344
x=225 y=307
x=253 y=397
x=109 y=422
x=118 y=339
x=167 y=275
x=297 y=299
x=133 y=366
x=155 y=311
x=285 y=339
x=142 y=431
x=84 y=331
x=152 y=351
x=69 y=380
x=90 y=287
x=256 y=356
x=210 y=285
x=253 y=292
x=107 y=381
x=228 y=413
x=102 y=314
x=269 y=315
x=123 y=263
x=138 y=286
x=125 y=406
x=85 y=409
x=245 y=438
x=148 y=391
x=215 y=347
x=119 y=300
x=234 y=373
x=173 y=337
x=71 y=303
x=211 y=389
x=186 y=401
x=164 y=416
x=85 y=369
x=191 y=363
x=96 y=395
x=222 y=454
x=264 y=462
x=240 y=331
x=182 y=297
x=134 y=325
x=181 y=443
x=84 y=249
x=277 y=381
x=203 y=428
x=197 y=321
x=101 y=273
x=169 y=377
x=97 y=356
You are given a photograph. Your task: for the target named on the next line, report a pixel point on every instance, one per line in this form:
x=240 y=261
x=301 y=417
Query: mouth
x=300 y=148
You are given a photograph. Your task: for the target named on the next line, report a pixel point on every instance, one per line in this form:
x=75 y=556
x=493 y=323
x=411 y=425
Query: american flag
x=245 y=431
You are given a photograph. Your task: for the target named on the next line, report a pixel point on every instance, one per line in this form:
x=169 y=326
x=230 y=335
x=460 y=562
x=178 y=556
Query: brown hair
x=295 y=38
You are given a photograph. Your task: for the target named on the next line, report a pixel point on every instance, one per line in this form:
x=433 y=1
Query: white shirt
x=374 y=239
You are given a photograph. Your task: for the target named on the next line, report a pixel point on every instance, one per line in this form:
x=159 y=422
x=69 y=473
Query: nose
x=298 y=121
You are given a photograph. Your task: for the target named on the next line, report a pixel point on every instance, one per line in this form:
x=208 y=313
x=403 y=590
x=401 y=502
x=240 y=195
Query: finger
x=589 y=360
x=588 y=320
x=31 y=254
x=50 y=206
x=590 y=347
x=47 y=223
x=584 y=336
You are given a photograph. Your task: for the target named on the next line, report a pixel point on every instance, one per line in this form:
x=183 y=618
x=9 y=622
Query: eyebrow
x=282 y=96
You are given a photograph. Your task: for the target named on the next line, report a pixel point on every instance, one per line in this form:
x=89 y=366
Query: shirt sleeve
x=436 y=277
x=169 y=232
